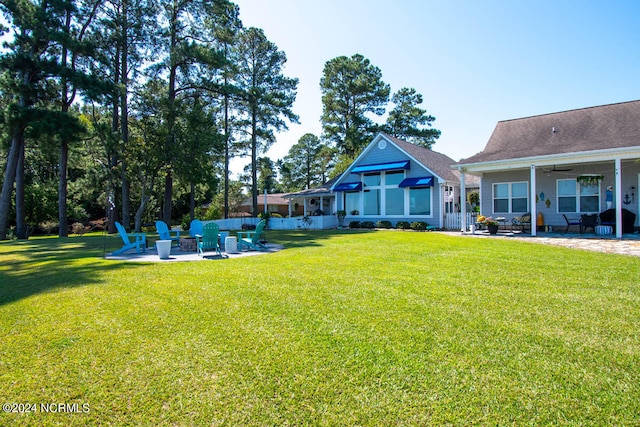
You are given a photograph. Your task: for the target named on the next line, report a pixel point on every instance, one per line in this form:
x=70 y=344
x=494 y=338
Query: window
x=394 y=195
x=381 y=189
x=352 y=203
x=511 y=197
x=420 y=201
x=384 y=193
x=576 y=197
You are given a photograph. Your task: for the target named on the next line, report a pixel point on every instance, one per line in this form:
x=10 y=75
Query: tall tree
x=31 y=61
x=268 y=96
x=351 y=88
x=408 y=121
x=73 y=55
x=303 y=166
x=186 y=43
x=226 y=27
x=129 y=30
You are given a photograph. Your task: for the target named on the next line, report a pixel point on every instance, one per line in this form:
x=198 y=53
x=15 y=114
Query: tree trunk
x=62 y=189
x=124 y=120
x=192 y=207
x=21 y=222
x=168 y=192
x=17 y=143
x=254 y=167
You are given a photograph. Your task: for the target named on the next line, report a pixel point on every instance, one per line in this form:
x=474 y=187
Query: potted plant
x=341 y=214
x=492 y=224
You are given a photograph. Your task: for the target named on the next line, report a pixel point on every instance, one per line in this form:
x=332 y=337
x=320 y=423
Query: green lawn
x=340 y=328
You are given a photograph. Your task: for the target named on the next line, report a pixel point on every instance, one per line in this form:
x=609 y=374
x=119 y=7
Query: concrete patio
x=151 y=255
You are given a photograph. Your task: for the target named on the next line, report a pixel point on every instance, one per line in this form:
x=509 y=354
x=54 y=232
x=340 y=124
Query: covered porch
x=558 y=190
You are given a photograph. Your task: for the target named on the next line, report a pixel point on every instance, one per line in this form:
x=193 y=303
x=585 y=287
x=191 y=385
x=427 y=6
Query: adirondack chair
x=165 y=233
x=139 y=241
x=252 y=238
x=195 y=227
x=210 y=238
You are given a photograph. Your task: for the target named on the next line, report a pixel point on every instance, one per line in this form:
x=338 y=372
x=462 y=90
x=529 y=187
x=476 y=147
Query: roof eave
x=550 y=160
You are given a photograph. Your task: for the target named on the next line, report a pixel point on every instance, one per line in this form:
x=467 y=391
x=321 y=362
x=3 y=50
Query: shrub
x=354 y=224
x=367 y=224
x=49 y=227
x=383 y=224
x=403 y=225
x=78 y=228
x=419 y=225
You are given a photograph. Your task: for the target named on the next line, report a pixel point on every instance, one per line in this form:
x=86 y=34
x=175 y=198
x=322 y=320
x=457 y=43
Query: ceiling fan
x=555 y=169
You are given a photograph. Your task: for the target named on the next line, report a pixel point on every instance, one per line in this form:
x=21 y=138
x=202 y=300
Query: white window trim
x=509 y=197
x=577 y=197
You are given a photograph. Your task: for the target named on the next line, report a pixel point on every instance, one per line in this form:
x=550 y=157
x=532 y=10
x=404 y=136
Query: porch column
x=321 y=203
x=289 y=207
x=463 y=201
x=618 y=189
x=532 y=203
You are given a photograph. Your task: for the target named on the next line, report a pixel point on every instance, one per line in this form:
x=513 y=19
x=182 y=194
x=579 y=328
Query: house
x=558 y=165
x=275 y=203
x=313 y=201
x=395 y=180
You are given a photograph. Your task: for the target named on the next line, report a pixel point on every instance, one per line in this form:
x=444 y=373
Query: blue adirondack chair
x=252 y=238
x=195 y=228
x=165 y=233
x=209 y=239
x=139 y=241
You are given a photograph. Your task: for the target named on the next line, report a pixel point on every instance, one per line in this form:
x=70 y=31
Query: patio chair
x=252 y=238
x=165 y=233
x=195 y=227
x=523 y=222
x=588 y=221
x=209 y=239
x=139 y=241
x=571 y=222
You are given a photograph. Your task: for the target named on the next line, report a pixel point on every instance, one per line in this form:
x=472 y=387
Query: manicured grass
x=341 y=328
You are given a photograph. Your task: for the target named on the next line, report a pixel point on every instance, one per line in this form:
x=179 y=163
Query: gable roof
x=582 y=130
x=322 y=190
x=438 y=163
x=272 y=199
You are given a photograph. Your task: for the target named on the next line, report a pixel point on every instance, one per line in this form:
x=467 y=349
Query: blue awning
x=425 y=181
x=404 y=164
x=348 y=186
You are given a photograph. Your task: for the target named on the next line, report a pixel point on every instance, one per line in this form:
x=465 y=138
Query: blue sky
x=474 y=62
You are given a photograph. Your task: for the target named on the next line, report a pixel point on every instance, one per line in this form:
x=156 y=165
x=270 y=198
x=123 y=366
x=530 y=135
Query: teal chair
x=209 y=239
x=165 y=233
x=252 y=238
x=139 y=241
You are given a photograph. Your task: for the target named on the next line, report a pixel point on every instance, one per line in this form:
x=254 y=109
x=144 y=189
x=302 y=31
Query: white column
x=463 y=201
x=532 y=203
x=618 y=190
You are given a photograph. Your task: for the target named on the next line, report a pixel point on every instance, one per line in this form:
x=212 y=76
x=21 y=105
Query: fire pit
x=188 y=244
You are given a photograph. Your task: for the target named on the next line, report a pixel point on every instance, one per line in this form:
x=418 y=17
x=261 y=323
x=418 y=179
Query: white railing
x=296 y=223
x=453 y=221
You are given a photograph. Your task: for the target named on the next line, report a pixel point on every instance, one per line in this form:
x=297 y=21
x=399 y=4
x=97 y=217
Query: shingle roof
x=439 y=163
x=586 y=129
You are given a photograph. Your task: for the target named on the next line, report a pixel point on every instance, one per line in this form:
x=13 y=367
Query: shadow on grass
x=43 y=264
x=306 y=238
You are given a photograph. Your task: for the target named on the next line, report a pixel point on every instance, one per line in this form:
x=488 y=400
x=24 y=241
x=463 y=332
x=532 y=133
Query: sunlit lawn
x=341 y=328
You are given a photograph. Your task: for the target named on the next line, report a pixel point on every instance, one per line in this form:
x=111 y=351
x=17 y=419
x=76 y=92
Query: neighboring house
x=398 y=181
x=276 y=203
x=314 y=201
x=561 y=164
